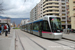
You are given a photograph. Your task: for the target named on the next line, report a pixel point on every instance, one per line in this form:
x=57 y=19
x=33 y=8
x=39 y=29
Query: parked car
x=73 y=30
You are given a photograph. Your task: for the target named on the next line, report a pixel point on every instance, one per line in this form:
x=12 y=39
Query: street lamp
x=66 y=17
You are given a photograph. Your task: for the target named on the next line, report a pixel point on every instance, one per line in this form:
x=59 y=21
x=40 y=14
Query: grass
x=16 y=28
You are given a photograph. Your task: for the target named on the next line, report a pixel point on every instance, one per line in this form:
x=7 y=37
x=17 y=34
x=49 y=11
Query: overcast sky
x=18 y=8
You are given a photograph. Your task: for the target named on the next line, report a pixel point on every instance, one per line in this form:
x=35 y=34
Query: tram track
x=32 y=41
x=62 y=43
x=20 y=42
x=55 y=41
x=64 y=40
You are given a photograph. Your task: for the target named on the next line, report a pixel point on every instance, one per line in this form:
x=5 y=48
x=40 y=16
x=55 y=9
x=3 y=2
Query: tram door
x=31 y=28
x=40 y=29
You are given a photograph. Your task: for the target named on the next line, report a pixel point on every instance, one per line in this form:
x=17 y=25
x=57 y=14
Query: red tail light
x=61 y=31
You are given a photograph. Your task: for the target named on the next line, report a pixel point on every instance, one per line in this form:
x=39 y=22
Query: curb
x=12 y=46
x=68 y=39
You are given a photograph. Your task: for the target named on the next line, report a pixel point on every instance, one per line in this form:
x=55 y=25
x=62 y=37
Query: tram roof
x=41 y=19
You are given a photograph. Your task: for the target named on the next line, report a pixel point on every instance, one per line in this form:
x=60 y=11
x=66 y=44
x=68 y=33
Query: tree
x=1 y=8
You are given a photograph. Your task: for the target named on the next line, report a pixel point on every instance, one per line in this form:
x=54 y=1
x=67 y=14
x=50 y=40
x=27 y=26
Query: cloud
x=18 y=8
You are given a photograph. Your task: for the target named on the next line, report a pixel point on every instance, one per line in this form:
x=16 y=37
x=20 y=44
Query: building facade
x=58 y=8
x=72 y=13
x=36 y=12
x=32 y=14
x=24 y=21
x=5 y=21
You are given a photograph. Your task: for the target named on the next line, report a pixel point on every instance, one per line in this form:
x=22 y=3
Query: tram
x=47 y=27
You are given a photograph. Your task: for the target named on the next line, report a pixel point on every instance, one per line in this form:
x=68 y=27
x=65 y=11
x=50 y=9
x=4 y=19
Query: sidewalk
x=7 y=43
x=70 y=36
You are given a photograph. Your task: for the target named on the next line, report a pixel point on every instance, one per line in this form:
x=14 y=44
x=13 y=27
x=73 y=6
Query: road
x=27 y=41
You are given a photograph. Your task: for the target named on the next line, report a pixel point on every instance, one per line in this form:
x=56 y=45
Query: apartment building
x=36 y=12
x=72 y=12
x=58 y=8
x=32 y=15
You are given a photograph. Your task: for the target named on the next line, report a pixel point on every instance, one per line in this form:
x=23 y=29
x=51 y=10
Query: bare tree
x=1 y=8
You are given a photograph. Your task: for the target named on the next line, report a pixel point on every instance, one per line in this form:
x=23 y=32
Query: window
x=63 y=7
x=74 y=9
x=63 y=3
x=55 y=24
x=63 y=0
x=46 y=26
x=63 y=10
x=74 y=2
x=28 y=26
x=63 y=18
x=63 y=14
x=36 y=26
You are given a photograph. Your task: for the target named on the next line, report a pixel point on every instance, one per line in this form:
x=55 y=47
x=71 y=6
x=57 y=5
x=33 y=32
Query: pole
x=66 y=16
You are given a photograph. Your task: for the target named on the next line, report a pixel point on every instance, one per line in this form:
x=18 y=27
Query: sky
x=18 y=8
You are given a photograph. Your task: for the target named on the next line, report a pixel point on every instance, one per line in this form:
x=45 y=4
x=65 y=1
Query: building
x=58 y=8
x=36 y=12
x=24 y=21
x=32 y=14
x=72 y=13
x=5 y=21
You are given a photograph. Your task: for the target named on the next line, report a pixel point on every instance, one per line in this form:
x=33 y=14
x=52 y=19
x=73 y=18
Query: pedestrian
x=6 y=29
x=68 y=31
x=0 y=29
x=2 y=26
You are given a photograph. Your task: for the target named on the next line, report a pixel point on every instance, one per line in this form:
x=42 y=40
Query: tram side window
x=31 y=27
x=24 y=26
x=40 y=25
x=28 y=26
x=35 y=26
x=46 y=26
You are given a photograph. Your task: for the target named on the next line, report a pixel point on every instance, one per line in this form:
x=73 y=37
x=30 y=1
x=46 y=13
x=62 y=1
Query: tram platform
x=69 y=36
x=7 y=43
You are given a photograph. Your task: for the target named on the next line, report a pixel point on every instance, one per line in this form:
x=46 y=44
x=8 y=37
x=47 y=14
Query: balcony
x=67 y=4
x=57 y=16
x=53 y=12
x=64 y=23
x=63 y=19
x=51 y=9
x=51 y=2
x=63 y=16
x=43 y=0
x=63 y=5
x=74 y=7
x=74 y=15
x=73 y=0
x=64 y=12
x=63 y=8
x=50 y=5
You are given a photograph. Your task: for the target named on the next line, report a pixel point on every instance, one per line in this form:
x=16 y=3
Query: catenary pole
x=66 y=16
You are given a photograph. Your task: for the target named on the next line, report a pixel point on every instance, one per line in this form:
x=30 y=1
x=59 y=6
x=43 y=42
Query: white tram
x=47 y=27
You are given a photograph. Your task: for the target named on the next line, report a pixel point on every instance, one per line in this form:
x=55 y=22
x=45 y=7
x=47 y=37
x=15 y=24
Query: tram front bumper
x=57 y=35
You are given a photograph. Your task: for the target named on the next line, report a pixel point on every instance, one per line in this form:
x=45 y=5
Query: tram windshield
x=55 y=24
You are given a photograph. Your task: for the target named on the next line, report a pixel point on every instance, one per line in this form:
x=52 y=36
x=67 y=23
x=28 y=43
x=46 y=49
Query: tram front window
x=56 y=24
